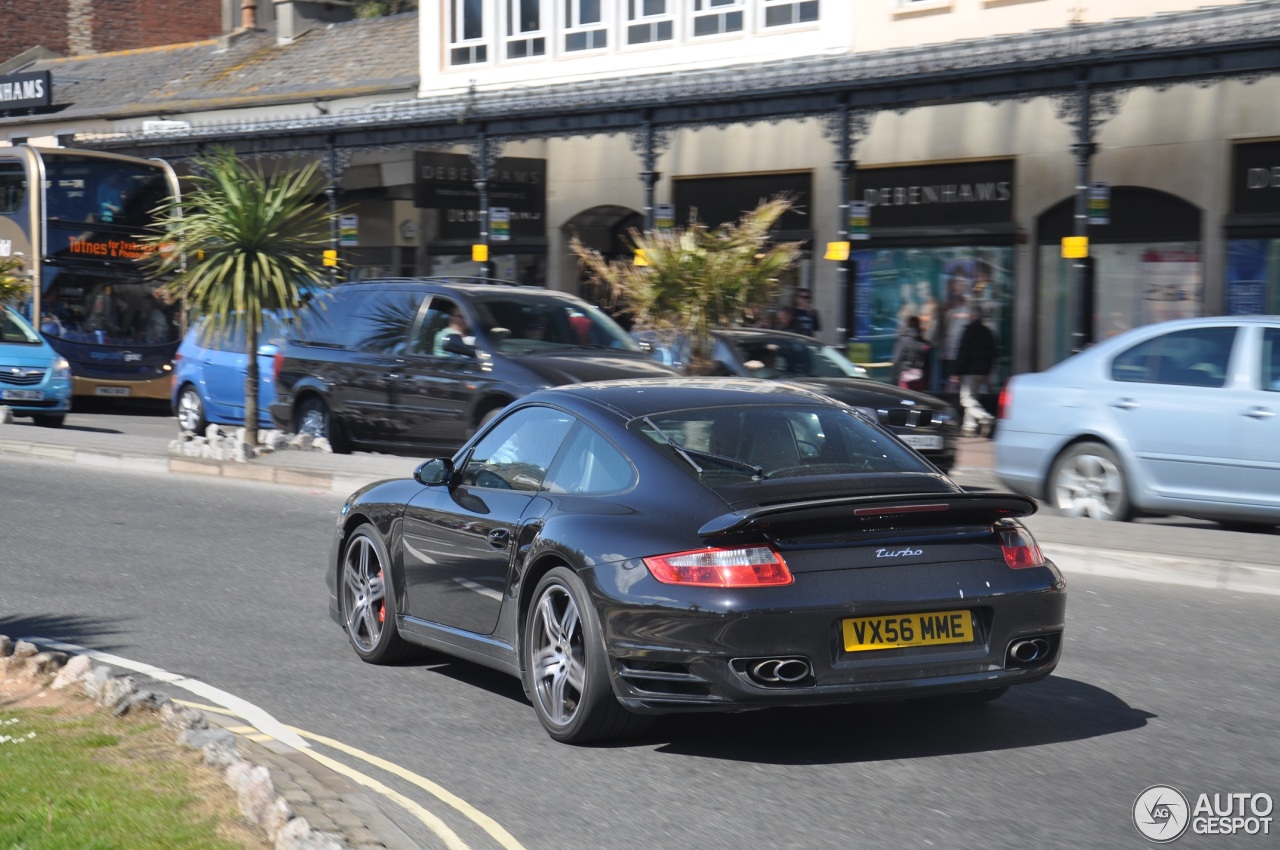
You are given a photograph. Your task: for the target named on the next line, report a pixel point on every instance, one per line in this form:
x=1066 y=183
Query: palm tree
x=238 y=243
x=689 y=281
x=13 y=287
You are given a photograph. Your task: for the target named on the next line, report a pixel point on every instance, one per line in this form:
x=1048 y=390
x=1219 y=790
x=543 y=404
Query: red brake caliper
x=382 y=605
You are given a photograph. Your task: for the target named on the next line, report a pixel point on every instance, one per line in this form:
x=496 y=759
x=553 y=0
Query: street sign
x=348 y=230
x=1099 y=203
x=330 y=257
x=1075 y=247
x=837 y=251
x=859 y=220
x=664 y=216
x=500 y=224
x=480 y=253
x=641 y=258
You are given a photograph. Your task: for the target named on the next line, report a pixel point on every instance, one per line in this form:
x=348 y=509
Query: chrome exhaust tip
x=1026 y=651
x=775 y=672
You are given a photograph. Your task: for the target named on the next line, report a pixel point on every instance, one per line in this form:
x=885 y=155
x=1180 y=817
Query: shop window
x=586 y=26
x=467 y=33
x=783 y=13
x=717 y=17
x=13 y=186
x=649 y=21
x=525 y=33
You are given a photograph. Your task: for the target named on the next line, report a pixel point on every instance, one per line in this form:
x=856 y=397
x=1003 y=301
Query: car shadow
x=1053 y=711
x=74 y=630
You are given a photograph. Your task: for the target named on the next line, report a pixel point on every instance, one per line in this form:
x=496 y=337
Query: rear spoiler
x=876 y=510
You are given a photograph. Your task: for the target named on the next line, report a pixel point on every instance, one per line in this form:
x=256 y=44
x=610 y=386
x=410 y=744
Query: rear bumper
x=692 y=655
x=155 y=388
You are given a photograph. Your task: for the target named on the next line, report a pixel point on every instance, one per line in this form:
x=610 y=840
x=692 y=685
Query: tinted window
x=782 y=357
x=364 y=318
x=82 y=189
x=13 y=186
x=516 y=453
x=1196 y=357
x=535 y=322
x=443 y=319
x=590 y=464
x=776 y=442
x=1271 y=359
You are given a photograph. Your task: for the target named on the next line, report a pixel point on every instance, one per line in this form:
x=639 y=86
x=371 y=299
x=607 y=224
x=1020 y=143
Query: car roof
x=638 y=397
x=737 y=334
x=473 y=285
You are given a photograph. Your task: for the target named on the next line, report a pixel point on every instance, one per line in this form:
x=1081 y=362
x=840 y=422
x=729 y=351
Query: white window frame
x=633 y=14
x=700 y=10
x=570 y=13
x=512 y=34
x=794 y=6
x=476 y=48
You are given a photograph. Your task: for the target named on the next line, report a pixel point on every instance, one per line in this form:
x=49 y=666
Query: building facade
x=965 y=127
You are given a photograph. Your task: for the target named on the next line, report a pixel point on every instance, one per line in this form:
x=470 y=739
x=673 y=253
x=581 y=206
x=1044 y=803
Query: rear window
x=782 y=441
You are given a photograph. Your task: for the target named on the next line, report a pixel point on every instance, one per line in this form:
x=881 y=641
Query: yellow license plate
x=935 y=627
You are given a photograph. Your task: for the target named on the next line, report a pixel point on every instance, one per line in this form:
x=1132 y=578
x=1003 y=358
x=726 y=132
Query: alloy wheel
x=190 y=411
x=1089 y=485
x=363 y=594
x=559 y=668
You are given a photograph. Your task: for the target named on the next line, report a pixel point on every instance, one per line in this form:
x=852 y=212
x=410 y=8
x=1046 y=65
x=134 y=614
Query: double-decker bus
x=75 y=218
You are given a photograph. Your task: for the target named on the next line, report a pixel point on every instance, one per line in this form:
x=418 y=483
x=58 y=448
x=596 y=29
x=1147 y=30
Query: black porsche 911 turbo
x=632 y=548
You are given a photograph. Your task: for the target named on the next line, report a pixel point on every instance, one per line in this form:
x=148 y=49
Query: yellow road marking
x=488 y=824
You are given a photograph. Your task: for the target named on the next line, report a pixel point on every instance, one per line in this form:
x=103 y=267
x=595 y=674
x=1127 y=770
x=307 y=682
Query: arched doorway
x=603 y=228
x=1147 y=267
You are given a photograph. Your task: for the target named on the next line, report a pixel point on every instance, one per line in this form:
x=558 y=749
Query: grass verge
x=74 y=776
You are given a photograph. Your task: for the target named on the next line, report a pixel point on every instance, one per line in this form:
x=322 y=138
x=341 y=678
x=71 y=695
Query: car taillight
x=748 y=566
x=1005 y=401
x=1020 y=548
x=277 y=363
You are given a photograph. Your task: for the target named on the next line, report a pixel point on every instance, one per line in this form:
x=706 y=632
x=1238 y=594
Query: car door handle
x=499 y=537
x=1259 y=413
x=1125 y=404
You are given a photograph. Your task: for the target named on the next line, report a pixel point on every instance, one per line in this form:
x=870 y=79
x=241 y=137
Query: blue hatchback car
x=35 y=380
x=209 y=373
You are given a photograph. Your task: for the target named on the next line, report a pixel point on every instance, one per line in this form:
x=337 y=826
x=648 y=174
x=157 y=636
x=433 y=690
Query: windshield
x=775 y=441
x=107 y=309
x=783 y=357
x=537 y=323
x=13 y=329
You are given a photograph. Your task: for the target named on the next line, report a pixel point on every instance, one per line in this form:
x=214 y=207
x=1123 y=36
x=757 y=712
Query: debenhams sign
x=938 y=194
x=25 y=91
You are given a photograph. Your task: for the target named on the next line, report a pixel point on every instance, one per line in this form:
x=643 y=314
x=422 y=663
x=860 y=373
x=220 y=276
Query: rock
x=116 y=690
x=6 y=415
x=6 y=646
x=72 y=672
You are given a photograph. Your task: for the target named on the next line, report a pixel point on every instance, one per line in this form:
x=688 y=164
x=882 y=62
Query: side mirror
x=434 y=472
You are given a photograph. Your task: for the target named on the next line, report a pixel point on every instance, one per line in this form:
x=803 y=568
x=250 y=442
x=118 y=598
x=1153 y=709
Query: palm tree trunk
x=251 y=388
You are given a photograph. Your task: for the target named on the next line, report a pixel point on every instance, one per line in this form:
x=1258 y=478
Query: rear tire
x=313 y=417
x=566 y=670
x=191 y=411
x=1088 y=480
x=49 y=420
x=366 y=599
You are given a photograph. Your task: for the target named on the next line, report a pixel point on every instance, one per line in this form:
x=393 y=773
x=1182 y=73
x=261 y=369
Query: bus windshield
x=82 y=190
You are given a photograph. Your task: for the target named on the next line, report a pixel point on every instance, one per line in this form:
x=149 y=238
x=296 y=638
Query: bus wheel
x=49 y=420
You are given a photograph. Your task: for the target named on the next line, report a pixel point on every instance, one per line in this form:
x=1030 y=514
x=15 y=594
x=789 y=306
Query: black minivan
x=413 y=364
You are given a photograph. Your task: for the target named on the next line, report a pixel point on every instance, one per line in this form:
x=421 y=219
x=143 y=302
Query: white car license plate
x=922 y=441
x=22 y=395
x=113 y=391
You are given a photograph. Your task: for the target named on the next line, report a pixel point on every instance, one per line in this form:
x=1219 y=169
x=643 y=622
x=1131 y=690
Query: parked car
x=419 y=364
x=35 y=380
x=1178 y=417
x=922 y=421
x=633 y=548
x=209 y=373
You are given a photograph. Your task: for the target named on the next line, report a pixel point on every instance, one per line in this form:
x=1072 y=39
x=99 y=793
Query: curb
x=1168 y=569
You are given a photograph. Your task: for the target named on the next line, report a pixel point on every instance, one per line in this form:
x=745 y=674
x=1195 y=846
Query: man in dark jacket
x=975 y=358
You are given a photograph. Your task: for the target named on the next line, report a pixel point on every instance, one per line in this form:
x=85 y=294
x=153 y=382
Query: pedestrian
x=784 y=320
x=911 y=356
x=804 y=318
x=975 y=358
